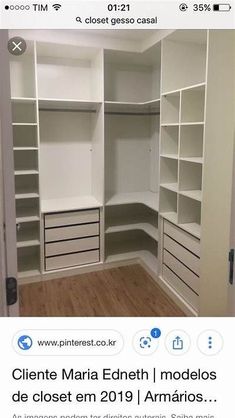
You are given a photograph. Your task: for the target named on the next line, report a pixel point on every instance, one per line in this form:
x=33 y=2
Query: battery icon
x=222 y=7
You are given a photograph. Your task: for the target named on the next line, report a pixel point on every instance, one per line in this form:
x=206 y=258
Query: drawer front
x=183 y=255
x=181 y=271
x=72 y=246
x=182 y=237
x=181 y=287
x=71 y=218
x=72 y=260
x=69 y=232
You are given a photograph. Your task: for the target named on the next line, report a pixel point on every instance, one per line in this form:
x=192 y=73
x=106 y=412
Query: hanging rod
x=132 y=113
x=41 y=109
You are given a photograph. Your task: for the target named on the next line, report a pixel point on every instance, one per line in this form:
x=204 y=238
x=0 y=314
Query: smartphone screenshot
x=117 y=208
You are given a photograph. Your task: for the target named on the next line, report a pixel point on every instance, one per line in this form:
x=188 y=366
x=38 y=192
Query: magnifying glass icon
x=78 y=19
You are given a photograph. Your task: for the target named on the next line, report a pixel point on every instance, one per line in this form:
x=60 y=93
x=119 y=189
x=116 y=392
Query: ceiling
x=127 y=34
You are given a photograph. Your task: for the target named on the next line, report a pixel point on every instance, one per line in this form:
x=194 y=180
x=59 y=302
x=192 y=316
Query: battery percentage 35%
x=200 y=7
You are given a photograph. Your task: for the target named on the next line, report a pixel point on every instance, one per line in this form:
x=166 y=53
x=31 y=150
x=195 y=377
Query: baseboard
x=69 y=272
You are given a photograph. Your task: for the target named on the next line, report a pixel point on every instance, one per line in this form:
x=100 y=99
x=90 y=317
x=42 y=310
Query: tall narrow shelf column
x=131 y=150
x=26 y=145
x=181 y=161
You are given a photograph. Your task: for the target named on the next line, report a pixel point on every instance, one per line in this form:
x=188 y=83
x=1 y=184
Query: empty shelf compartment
x=192 y=106
x=170 y=108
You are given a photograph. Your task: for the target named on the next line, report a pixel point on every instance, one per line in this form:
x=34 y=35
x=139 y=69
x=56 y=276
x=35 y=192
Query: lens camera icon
x=145 y=341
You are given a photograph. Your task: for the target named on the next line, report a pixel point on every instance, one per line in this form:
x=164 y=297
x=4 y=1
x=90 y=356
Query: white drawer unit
x=71 y=239
x=181 y=271
x=72 y=260
x=71 y=218
x=70 y=232
x=71 y=246
x=191 y=297
x=182 y=254
x=186 y=240
x=181 y=262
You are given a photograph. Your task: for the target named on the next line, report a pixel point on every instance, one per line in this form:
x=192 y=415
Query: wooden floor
x=123 y=291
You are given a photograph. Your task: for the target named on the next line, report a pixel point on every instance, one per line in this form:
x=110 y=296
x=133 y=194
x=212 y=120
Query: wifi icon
x=56 y=6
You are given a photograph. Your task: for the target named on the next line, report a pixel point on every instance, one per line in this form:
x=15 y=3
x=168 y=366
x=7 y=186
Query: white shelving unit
x=71 y=127
x=26 y=146
x=131 y=148
x=118 y=138
x=182 y=128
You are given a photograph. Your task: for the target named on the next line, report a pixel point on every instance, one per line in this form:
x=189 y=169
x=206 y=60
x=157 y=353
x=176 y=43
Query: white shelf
x=130 y=107
x=172 y=156
x=24 y=124
x=191 y=123
x=165 y=124
x=184 y=89
x=197 y=160
x=26 y=195
x=170 y=186
x=70 y=203
x=55 y=104
x=24 y=219
x=170 y=216
x=23 y=99
x=192 y=228
x=193 y=194
x=143 y=226
x=30 y=243
x=25 y=149
x=25 y=172
x=149 y=199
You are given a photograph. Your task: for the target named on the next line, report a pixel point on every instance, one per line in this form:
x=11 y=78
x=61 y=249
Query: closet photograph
x=122 y=145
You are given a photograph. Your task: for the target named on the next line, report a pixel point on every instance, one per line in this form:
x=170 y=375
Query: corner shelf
x=152 y=106
x=146 y=227
x=146 y=198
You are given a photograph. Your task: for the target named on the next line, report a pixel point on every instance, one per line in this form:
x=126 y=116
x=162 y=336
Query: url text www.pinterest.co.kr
x=68 y=342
